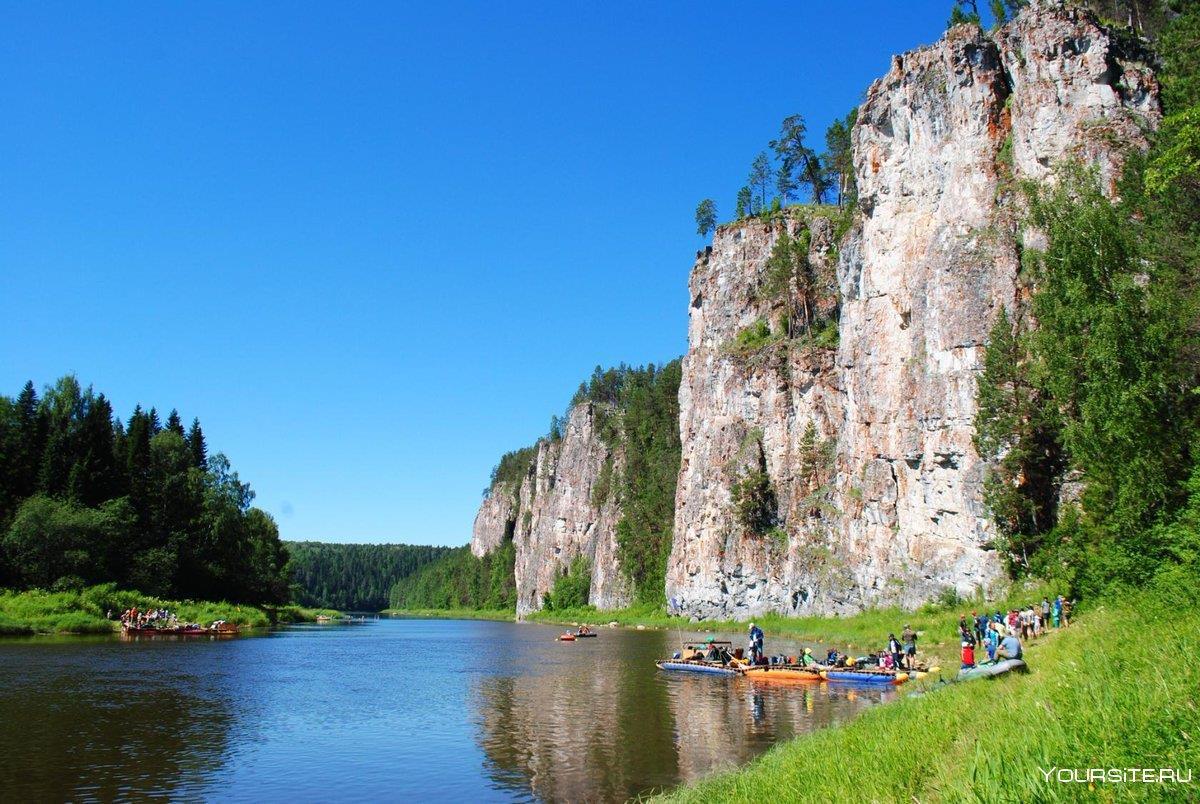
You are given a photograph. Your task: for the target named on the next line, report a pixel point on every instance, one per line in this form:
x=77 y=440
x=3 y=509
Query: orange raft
x=787 y=672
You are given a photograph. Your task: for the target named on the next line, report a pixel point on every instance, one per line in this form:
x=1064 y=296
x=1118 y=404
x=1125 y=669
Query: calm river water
x=386 y=710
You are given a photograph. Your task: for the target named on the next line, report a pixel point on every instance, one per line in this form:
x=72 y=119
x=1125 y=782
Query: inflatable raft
x=685 y=666
x=991 y=670
x=793 y=673
x=864 y=676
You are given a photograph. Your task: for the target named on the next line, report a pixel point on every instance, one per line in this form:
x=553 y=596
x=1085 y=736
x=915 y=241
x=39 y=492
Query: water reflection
x=390 y=710
x=600 y=723
x=159 y=732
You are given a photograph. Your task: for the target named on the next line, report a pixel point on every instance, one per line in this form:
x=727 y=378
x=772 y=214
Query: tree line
x=459 y=580
x=1087 y=405
x=790 y=170
x=354 y=577
x=88 y=498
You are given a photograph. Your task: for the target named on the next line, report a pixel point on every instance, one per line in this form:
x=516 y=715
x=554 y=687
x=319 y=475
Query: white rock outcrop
x=892 y=511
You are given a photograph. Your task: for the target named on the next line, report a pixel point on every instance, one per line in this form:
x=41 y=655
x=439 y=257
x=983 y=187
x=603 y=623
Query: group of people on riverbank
x=1001 y=634
x=160 y=618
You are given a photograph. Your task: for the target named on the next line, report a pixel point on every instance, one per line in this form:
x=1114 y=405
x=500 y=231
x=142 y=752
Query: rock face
x=868 y=445
x=551 y=518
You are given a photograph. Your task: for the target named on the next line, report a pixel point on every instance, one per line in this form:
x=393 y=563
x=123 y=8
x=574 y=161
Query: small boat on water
x=784 y=672
x=991 y=669
x=567 y=637
x=864 y=676
x=697 y=666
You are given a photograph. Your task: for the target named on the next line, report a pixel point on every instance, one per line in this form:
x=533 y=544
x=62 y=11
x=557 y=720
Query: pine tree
x=743 y=203
x=706 y=217
x=759 y=181
x=196 y=445
x=174 y=424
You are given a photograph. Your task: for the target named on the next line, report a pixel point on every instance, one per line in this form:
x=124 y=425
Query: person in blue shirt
x=1056 y=612
x=1010 y=648
x=756 y=643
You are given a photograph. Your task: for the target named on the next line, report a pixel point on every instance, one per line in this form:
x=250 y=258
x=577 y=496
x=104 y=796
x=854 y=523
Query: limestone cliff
x=864 y=448
x=552 y=515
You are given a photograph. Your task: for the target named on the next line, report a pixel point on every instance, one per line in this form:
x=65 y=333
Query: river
x=382 y=711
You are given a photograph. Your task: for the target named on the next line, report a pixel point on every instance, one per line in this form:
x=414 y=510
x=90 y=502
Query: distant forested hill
x=355 y=577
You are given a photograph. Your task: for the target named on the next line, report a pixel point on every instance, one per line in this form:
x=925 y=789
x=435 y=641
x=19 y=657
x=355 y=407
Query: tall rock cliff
x=553 y=515
x=863 y=449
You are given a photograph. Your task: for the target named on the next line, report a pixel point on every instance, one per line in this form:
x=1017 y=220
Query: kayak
x=784 y=673
x=683 y=666
x=991 y=670
x=864 y=677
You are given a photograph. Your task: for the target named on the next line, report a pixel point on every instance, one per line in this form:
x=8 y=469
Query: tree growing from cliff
x=743 y=203
x=964 y=12
x=706 y=217
x=839 y=158
x=759 y=182
x=799 y=162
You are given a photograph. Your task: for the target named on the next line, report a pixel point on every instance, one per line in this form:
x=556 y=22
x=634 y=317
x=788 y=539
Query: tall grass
x=1118 y=689
x=86 y=611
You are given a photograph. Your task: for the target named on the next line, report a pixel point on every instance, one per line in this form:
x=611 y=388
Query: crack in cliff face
x=939 y=143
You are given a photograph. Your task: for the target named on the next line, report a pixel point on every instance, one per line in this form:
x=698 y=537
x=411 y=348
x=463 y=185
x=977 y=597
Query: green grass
x=84 y=611
x=1115 y=690
x=507 y=615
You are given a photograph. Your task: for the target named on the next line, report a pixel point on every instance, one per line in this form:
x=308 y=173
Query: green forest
x=354 y=577
x=89 y=498
x=459 y=580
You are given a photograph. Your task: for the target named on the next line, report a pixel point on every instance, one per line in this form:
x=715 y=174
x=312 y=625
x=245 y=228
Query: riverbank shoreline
x=1121 y=669
x=497 y=615
x=95 y=609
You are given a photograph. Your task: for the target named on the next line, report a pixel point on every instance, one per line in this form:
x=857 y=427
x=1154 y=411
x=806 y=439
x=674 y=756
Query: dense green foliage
x=86 y=499
x=355 y=577
x=459 y=580
x=640 y=419
x=571 y=588
x=93 y=609
x=1111 y=691
x=1100 y=392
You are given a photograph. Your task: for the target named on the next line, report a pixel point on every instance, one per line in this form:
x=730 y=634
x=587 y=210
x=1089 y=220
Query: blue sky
x=374 y=246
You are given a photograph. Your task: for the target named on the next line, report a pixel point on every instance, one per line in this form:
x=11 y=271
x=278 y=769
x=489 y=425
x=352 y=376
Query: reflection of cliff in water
x=723 y=731
x=587 y=730
x=604 y=725
x=107 y=741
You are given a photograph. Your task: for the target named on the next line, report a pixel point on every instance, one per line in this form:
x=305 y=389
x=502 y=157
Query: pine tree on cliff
x=839 y=158
x=797 y=159
x=759 y=181
x=743 y=203
x=706 y=217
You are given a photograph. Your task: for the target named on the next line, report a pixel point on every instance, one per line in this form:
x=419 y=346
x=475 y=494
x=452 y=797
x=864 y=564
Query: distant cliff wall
x=552 y=516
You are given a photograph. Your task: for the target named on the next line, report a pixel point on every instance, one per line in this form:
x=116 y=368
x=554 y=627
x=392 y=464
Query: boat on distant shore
x=219 y=628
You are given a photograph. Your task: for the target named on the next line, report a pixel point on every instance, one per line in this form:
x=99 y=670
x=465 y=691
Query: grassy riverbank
x=1115 y=690
x=868 y=630
x=503 y=615
x=85 y=611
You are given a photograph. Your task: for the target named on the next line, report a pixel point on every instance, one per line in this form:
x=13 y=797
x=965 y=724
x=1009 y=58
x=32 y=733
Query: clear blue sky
x=374 y=246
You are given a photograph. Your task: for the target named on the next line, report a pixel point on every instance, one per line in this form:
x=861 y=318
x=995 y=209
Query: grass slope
x=83 y=612
x=1116 y=690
